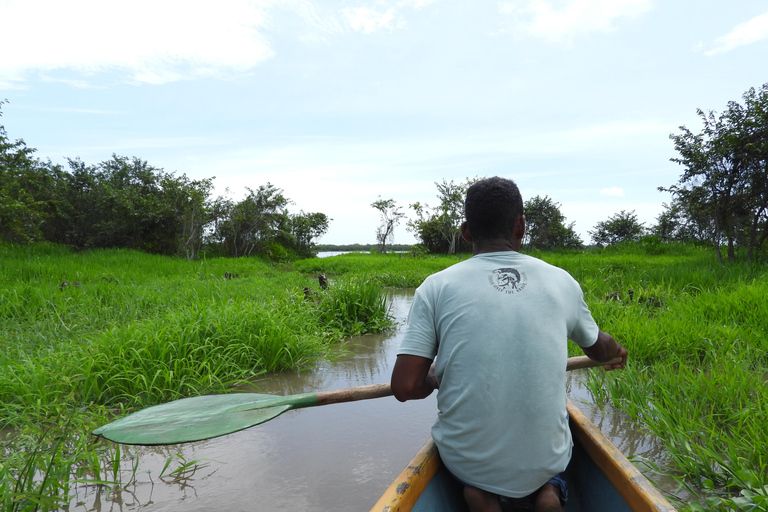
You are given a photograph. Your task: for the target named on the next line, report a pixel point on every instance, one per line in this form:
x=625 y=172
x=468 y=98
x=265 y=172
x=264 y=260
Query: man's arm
x=605 y=349
x=412 y=378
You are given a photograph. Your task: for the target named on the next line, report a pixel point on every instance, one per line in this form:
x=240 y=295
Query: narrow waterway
x=331 y=458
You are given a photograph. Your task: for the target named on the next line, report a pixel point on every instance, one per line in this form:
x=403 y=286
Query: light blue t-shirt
x=498 y=325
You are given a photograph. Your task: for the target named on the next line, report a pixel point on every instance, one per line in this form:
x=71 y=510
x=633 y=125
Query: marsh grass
x=353 y=306
x=41 y=462
x=139 y=329
x=697 y=334
x=87 y=335
x=396 y=270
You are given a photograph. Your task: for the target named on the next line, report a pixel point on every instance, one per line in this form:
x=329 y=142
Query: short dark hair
x=492 y=206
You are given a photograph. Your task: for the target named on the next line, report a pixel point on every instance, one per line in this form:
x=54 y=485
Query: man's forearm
x=413 y=378
x=424 y=390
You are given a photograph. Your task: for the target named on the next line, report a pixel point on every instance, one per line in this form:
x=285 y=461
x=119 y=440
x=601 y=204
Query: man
x=491 y=333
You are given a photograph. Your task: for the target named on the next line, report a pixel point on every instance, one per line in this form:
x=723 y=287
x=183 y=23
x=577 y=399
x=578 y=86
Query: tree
x=117 y=203
x=545 y=226
x=726 y=172
x=250 y=225
x=439 y=229
x=427 y=229
x=451 y=210
x=683 y=222
x=125 y=202
x=390 y=218
x=752 y=122
x=120 y=202
x=25 y=186
x=621 y=227
x=305 y=228
x=189 y=208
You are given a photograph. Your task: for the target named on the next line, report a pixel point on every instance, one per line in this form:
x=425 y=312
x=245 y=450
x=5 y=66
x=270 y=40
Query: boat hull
x=599 y=479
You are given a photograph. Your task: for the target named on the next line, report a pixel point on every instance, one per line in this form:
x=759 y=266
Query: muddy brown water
x=332 y=458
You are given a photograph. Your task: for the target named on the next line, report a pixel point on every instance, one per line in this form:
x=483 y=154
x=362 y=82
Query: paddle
x=205 y=417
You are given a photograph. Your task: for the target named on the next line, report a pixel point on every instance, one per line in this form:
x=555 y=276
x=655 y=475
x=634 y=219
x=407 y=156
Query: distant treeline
x=720 y=200
x=127 y=203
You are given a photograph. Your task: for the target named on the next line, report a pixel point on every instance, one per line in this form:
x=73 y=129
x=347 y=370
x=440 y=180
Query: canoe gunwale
x=402 y=495
x=633 y=486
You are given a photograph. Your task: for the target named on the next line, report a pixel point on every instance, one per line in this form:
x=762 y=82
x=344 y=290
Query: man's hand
x=622 y=353
x=431 y=379
x=605 y=349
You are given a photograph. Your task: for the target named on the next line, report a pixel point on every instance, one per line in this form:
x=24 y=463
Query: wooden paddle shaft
x=381 y=390
x=579 y=362
x=352 y=394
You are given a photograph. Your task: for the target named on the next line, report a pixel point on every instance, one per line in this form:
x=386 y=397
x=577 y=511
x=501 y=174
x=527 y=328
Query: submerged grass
x=85 y=335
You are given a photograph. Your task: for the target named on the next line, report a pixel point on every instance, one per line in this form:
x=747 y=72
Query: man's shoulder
x=440 y=277
x=449 y=276
x=541 y=271
x=541 y=264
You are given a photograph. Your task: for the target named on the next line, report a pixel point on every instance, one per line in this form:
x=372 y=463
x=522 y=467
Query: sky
x=339 y=103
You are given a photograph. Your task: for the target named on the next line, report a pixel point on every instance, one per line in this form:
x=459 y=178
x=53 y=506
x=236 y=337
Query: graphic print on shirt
x=508 y=280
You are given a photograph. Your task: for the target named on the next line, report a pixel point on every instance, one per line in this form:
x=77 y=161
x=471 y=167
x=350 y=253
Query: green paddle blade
x=199 y=418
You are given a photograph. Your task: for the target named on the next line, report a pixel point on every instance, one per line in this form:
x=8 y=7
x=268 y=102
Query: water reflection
x=615 y=424
x=331 y=458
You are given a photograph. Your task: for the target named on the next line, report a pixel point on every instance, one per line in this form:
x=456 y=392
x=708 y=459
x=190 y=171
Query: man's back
x=498 y=324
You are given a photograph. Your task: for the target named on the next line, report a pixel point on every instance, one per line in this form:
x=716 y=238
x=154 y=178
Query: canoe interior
x=444 y=494
x=599 y=479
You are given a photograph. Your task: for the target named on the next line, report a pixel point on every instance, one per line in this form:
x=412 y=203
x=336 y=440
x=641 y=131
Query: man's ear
x=465 y=232
x=519 y=229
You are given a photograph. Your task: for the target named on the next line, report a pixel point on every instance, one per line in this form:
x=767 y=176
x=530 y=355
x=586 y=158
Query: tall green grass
x=139 y=329
x=42 y=461
x=697 y=335
x=86 y=334
x=397 y=270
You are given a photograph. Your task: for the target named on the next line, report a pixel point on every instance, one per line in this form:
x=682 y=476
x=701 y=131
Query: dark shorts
x=527 y=502
x=561 y=486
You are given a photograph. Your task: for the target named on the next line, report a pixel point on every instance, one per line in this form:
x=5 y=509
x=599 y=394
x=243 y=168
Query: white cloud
x=746 y=33
x=417 y=4
x=613 y=191
x=150 y=42
x=543 y=19
x=363 y=19
x=321 y=20
x=73 y=110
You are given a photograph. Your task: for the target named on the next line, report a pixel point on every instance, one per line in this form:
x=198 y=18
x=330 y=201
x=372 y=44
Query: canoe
x=599 y=479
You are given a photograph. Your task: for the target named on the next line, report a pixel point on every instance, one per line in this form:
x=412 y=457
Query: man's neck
x=495 y=245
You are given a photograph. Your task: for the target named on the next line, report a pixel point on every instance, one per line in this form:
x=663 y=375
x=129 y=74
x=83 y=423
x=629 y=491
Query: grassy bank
x=697 y=333
x=128 y=330
x=397 y=270
x=87 y=335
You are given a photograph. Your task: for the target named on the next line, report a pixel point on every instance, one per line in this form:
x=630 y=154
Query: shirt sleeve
x=584 y=330
x=420 y=335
